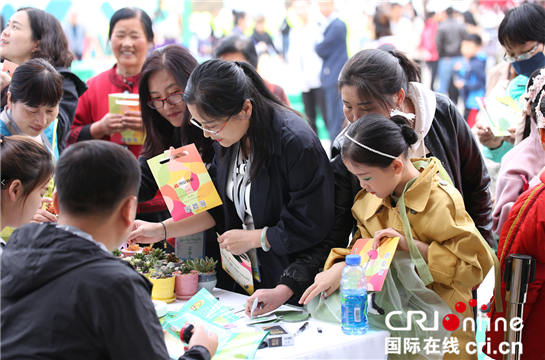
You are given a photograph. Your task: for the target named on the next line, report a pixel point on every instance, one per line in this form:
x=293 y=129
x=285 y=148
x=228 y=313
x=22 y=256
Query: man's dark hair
x=474 y=38
x=449 y=11
x=93 y=177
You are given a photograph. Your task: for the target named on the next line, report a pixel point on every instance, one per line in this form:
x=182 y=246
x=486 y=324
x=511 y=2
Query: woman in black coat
x=271 y=173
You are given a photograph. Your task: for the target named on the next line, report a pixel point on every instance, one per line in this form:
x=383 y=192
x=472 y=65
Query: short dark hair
x=178 y=62
x=378 y=74
x=521 y=24
x=449 y=11
x=393 y=136
x=93 y=177
x=25 y=160
x=53 y=42
x=238 y=15
x=474 y=38
x=36 y=83
x=219 y=89
x=131 y=13
x=238 y=43
x=382 y=24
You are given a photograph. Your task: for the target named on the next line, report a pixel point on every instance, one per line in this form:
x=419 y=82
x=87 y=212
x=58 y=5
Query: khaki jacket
x=457 y=258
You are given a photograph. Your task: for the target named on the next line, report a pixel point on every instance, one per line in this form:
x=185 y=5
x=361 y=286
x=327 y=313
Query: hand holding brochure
x=502 y=113
x=375 y=262
x=184 y=182
x=118 y=104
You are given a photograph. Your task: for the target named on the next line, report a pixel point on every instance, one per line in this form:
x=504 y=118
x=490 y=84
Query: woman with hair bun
x=440 y=255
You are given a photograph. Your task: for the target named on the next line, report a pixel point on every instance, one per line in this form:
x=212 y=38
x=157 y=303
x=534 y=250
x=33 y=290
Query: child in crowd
x=472 y=74
x=523 y=233
x=64 y=295
x=404 y=198
x=27 y=168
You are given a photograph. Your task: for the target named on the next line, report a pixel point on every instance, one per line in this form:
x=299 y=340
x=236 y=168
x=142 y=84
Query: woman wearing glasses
x=271 y=172
x=166 y=121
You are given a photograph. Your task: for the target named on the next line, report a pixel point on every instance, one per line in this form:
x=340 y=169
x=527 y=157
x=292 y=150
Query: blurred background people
x=306 y=64
x=334 y=53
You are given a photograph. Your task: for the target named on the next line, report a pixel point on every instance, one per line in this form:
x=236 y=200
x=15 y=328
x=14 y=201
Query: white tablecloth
x=330 y=344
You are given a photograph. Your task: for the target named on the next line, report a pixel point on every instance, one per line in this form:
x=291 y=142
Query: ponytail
x=387 y=137
x=219 y=88
x=410 y=68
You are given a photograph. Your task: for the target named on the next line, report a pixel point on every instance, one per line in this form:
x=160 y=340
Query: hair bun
x=410 y=136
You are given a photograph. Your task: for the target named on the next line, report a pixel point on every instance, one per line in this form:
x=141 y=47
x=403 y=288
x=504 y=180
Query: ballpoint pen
x=301 y=329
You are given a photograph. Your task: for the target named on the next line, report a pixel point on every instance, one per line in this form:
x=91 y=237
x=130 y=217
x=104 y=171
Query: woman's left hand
x=132 y=120
x=391 y=233
x=240 y=241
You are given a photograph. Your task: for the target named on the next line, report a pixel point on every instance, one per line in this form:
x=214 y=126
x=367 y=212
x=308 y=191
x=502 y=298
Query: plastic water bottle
x=354 y=297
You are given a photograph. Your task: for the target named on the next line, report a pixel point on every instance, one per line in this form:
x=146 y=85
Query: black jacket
x=448 y=39
x=63 y=297
x=293 y=195
x=73 y=88
x=451 y=141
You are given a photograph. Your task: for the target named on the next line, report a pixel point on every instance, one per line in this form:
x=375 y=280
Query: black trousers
x=311 y=100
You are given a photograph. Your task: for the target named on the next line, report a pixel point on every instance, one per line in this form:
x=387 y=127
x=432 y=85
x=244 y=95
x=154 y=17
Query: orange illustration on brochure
x=184 y=182
x=375 y=262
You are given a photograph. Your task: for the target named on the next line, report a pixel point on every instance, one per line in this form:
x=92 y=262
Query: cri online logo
x=451 y=322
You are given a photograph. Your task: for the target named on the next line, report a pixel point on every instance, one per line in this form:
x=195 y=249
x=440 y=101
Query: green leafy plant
x=172 y=258
x=159 y=254
x=164 y=271
x=117 y=253
x=147 y=264
x=186 y=269
x=204 y=266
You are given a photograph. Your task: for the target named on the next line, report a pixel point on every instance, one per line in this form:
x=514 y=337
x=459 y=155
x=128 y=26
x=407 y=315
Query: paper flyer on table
x=377 y=261
x=184 y=182
x=118 y=104
x=206 y=306
x=231 y=344
x=502 y=113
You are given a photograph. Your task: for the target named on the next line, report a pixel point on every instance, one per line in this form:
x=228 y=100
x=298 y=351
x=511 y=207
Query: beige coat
x=457 y=257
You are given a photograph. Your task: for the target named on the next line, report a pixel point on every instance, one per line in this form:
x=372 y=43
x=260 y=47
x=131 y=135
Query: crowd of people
x=404 y=162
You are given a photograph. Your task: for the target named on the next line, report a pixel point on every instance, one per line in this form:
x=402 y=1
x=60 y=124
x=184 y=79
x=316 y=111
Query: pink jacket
x=527 y=159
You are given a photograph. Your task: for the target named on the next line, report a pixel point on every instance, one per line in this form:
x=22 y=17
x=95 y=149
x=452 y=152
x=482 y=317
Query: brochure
x=184 y=182
x=502 y=113
x=375 y=262
x=118 y=104
x=231 y=344
x=243 y=268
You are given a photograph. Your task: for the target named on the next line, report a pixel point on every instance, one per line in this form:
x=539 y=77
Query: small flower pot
x=163 y=289
x=207 y=281
x=186 y=285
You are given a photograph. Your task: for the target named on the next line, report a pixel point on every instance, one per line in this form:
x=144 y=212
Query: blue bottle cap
x=353 y=259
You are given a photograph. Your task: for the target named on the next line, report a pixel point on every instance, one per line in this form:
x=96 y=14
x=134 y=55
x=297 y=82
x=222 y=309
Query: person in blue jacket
x=472 y=75
x=271 y=172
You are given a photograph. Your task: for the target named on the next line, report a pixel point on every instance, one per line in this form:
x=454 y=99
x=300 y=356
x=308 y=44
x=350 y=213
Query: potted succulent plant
x=117 y=253
x=173 y=259
x=207 y=272
x=186 y=282
x=163 y=280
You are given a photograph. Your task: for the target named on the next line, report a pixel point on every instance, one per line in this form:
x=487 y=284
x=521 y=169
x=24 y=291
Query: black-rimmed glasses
x=172 y=99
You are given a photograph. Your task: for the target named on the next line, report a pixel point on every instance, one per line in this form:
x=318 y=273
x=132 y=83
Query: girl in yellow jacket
x=408 y=199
